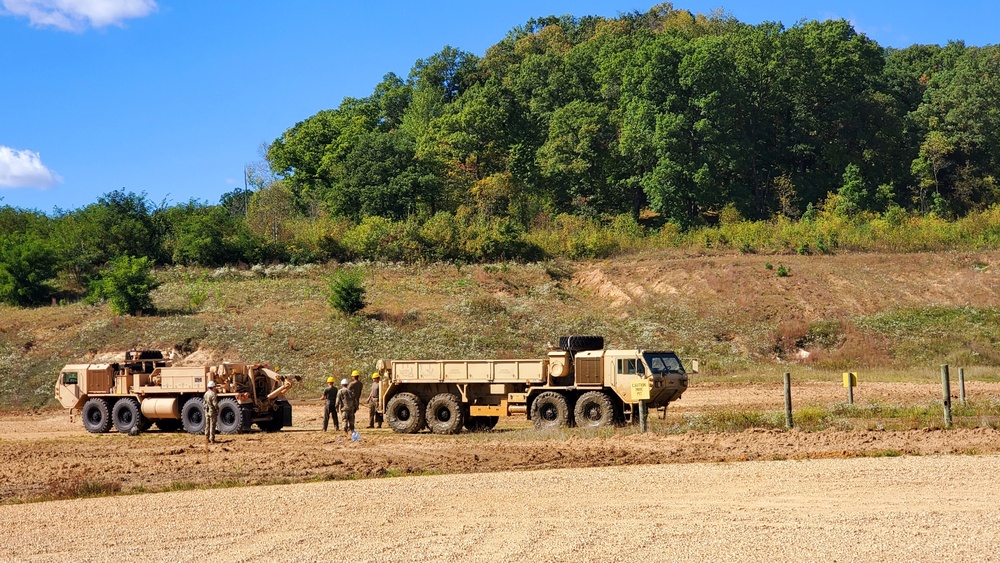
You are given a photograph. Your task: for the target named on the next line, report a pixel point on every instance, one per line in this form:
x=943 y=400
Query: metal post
x=961 y=385
x=946 y=391
x=788 y=400
x=850 y=389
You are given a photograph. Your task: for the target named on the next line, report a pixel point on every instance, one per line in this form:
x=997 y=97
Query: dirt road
x=46 y=456
x=873 y=509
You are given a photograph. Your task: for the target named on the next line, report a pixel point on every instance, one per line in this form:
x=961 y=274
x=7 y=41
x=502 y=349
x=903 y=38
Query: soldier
x=211 y=411
x=374 y=417
x=346 y=404
x=356 y=387
x=329 y=405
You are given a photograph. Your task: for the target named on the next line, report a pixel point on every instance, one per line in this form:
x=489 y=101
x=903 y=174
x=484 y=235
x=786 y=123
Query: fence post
x=961 y=385
x=946 y=391
x=788 y=400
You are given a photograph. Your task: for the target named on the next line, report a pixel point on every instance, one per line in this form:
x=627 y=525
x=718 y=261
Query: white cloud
x=77 y=15
x=24 y=169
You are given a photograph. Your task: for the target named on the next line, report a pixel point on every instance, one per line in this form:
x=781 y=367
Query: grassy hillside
x=889 y=314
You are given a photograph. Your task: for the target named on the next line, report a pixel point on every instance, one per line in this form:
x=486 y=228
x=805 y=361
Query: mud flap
x=286 y=413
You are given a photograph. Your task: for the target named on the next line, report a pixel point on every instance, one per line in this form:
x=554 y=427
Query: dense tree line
x=680 y=113
x=665 y=118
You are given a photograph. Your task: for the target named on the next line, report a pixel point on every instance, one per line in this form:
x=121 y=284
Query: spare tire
x=581 y=343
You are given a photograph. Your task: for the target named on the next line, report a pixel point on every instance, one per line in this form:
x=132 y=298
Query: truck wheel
x=96 y=418
x=168 y=424
x=594 y=409
x=405 y=413
x=581 y=343
x=444 y=414
x=277 y=420
x=126 y=416
x=230 y=416
x=193 y=416
x=481 y=423
x=550 y=410
x=273 y=425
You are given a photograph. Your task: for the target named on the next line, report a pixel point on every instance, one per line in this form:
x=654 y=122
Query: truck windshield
x=659 y=362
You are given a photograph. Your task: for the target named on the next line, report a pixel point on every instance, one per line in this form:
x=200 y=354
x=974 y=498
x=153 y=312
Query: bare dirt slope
x=817 y=287
x=874 y=509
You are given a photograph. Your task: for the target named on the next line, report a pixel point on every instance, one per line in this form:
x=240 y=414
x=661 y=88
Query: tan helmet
x=343 y=382
x=375 y=375
x=211 y=384
x=330 y=380
x=355 y=373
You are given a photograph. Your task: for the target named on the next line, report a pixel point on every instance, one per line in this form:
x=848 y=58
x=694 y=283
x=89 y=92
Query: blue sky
x=174 y=97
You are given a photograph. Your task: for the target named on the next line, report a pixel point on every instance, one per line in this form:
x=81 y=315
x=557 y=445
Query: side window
x=640 y=368
x=69 y=378
x=621 y=366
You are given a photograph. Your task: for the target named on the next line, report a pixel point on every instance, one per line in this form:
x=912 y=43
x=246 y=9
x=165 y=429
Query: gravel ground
x=919 y=508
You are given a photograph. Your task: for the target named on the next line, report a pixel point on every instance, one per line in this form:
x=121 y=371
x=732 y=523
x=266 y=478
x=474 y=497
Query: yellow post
x=850 y=381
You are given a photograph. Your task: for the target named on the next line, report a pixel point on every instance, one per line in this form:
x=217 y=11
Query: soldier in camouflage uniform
x=329 y=405
x=356 y=386
x=374 y=417
x=347 y=405
x=211 y=411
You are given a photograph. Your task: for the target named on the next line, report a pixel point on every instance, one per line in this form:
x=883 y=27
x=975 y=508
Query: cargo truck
x=147 y=389
x=577 y=384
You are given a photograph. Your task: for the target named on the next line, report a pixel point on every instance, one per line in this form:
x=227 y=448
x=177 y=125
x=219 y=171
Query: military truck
x=147 y=389
x=577 y=384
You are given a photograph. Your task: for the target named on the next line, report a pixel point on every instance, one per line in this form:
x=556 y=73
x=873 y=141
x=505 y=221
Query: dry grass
x=847 y=311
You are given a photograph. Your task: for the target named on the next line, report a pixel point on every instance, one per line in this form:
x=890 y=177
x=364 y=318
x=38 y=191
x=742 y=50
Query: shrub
x=127 y=285
x=347 y=292
x=26 y=264
x=783 y=271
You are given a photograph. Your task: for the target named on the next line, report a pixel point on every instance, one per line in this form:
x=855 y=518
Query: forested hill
x=585 y=137
x=680 y=113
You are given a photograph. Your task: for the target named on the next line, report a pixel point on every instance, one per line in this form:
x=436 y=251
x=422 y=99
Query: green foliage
x=346 y=291
x=27 y=264
x=127 y=285
x=783 y=271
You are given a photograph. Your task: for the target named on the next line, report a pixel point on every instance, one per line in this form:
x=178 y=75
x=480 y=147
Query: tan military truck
x=147 y=389
x=579 y=383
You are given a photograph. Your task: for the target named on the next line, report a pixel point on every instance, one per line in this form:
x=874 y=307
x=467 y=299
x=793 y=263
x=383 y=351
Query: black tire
x=273 y=425
x=481 y=423
x=193 y=416
x=168 y=424
x=550 y=410
x=405 y=413
x=95 y=415
x=230 y=416
x=581 y=343
x=445 y=414
x=126 y=416
x=594 y=409
x=277 y=420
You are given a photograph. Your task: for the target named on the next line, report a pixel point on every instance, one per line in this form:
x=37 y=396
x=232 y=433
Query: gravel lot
x=919 y=508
